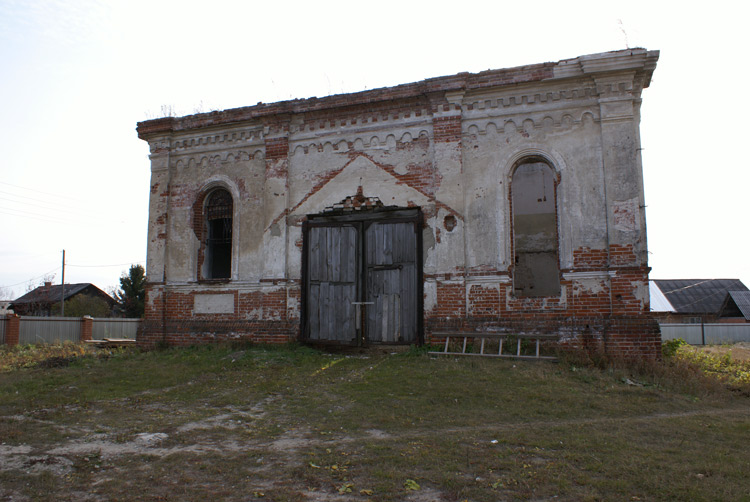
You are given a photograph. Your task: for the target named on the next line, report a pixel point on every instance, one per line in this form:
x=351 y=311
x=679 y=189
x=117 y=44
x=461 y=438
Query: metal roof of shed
x=659 y=302
x=741 y=299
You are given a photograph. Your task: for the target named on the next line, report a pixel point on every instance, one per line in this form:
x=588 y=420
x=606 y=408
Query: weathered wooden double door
x=362 y=278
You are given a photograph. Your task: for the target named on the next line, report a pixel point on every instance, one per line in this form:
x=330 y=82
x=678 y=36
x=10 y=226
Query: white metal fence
x=114 y=328
x=706 y=334
x=49 y=330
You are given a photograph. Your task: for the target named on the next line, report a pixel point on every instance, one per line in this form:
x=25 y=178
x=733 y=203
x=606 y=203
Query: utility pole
x=62 y=290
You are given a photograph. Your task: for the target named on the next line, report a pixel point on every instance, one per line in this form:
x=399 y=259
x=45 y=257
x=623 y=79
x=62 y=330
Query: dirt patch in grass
x=738 y=351
x=254 y=423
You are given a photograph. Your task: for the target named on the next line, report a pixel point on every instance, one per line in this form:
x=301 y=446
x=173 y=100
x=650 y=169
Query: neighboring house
x=5 y=307
x=508 y=200
x=736 y=307
x=44 y=300
x=695 y=301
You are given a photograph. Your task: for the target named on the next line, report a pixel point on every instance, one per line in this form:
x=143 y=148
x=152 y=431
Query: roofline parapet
x=639 y=60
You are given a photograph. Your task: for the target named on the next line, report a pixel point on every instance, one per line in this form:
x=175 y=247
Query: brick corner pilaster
x=87 y=327
x=12 y=329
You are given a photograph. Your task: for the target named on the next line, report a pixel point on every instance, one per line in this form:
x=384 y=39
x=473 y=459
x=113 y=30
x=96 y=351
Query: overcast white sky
x=76 y=76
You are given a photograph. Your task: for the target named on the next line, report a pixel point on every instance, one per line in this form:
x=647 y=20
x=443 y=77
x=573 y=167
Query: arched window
x=218 y=215
x=536 y=263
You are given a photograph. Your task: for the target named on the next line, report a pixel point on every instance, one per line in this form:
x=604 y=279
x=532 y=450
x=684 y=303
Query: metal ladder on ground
x=501 y=337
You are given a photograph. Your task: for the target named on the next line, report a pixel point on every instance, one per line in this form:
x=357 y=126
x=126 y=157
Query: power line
x=57 y=204
x=62 y=211
x=43 y=204
x=24 y=211
x=104 y=266
x=79 y=215
x=32 y=279
x=33 y=217
x=38 y=191
x=688 y=287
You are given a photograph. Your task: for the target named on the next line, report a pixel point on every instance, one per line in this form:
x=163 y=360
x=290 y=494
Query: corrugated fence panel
x=712 y=333
x=2 y=330
x=49 y=330
x=727 y=333
x=114 y=328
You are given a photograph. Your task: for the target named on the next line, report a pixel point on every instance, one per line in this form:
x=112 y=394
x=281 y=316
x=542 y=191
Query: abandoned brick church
x=507 y=200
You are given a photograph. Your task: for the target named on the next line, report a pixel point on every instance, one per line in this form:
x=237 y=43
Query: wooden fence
x=706 y=334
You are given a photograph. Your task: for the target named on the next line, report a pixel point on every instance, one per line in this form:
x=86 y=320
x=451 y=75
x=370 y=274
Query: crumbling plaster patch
x=590 y=286
x=641 y=293
x=430 y=296
x=447 y=255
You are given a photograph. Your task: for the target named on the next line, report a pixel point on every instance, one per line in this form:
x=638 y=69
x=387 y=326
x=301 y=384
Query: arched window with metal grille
x=218 y=211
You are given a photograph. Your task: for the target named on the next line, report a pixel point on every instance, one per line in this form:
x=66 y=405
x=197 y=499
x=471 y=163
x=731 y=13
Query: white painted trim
x=586 y=275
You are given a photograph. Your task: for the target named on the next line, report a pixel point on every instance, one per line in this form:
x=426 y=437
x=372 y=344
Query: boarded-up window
x=219 y=232
x=536 y=268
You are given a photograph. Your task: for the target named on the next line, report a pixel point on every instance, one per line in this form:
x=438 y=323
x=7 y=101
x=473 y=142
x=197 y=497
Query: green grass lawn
x=291 y=423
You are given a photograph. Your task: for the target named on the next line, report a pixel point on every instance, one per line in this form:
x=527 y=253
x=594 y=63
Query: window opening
x=219 y=242
x=536 y=263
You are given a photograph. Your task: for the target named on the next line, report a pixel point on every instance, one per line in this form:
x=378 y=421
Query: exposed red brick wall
x=614 y=336
x=193 y=332
x=484 y=301
x=446 y=128
x=588 y=299
x=618 y=256
x=542 y=304
x=269 y=305
x=451 y=300
x=260 y=316
x=622 y=255
x=587 y=258
x=277 y=148
x=12 y=329
x=294 y=302
x=602 y=314
x=625 y=284
x=87 y=328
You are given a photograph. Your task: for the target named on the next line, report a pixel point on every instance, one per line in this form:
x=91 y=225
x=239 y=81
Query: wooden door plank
x=312 y=235
x=323 y=239
x=328 y=257
x=335 y=253
x=387 y=231
x=313 y=311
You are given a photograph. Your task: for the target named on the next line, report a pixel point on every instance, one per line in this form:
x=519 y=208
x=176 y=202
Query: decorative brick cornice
x=219 y=140
x=639 y=60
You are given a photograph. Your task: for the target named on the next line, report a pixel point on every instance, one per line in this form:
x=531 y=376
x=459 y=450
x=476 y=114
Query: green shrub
x=669 y=348
x=722 y=367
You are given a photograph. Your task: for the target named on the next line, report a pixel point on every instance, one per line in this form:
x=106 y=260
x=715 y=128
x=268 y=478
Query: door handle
x=376 y=268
